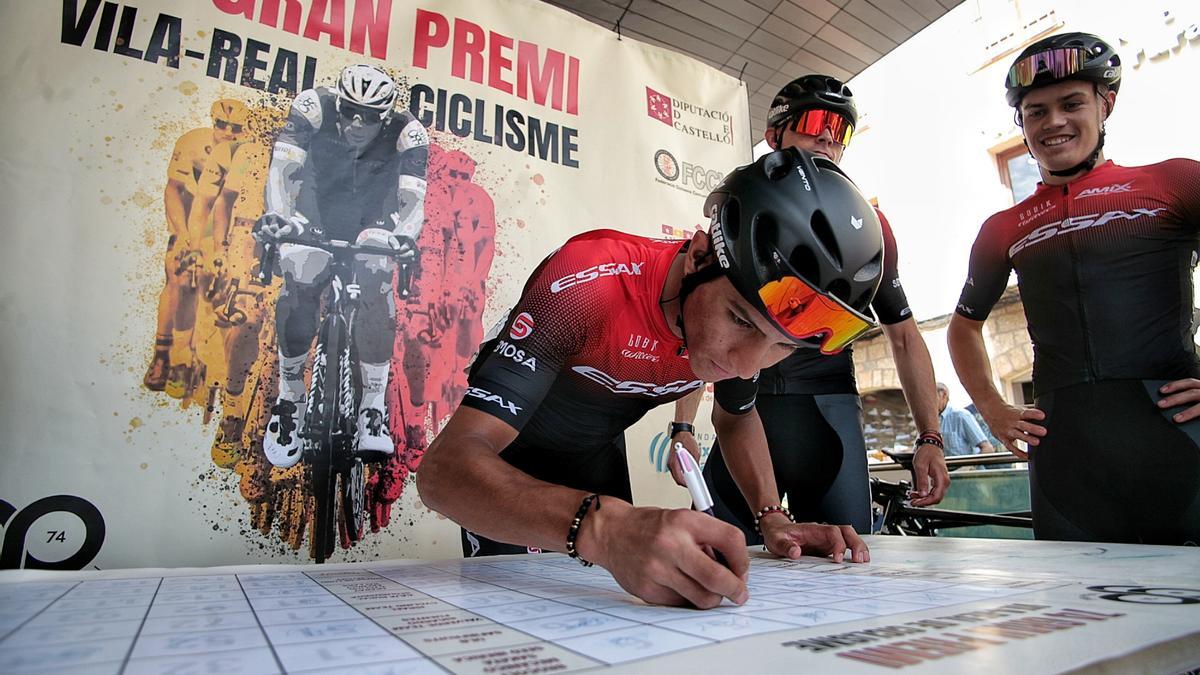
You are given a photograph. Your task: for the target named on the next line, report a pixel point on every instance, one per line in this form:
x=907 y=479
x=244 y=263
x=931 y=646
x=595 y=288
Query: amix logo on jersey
x=595 y=272
x=506 y=349
x=1051 y=230
x=629 y=387
x=1106 y=190
x=488 y=396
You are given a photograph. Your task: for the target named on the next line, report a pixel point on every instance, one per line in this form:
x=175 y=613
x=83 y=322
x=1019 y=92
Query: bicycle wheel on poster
x=323 y=408
x=353 y=493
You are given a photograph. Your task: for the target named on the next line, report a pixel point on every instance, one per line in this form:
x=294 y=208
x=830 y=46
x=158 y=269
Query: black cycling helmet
x=1069 y=56
x=794 y=214
x=812 y=92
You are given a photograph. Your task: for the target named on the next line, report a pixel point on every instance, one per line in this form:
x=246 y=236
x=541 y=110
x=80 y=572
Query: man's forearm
x=177 y=223
x=202 y=208
x=968 y=353
x=222 y=215
x=463 y=477
x=915 y=368
x=410 y=197
x=686 y=407
x=280 y=193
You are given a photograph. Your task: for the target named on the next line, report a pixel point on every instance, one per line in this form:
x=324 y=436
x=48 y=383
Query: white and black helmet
x=367 y=86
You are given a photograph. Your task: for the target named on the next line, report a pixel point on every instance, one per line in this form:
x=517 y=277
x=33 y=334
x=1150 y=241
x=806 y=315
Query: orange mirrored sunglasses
x=814 y=122
x=803 y=312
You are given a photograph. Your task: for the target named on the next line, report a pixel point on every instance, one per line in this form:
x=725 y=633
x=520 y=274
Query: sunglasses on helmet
x=803 y=313
x=814 y=122
x=1061 y=62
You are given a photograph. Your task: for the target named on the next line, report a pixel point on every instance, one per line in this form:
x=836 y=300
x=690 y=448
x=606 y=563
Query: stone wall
x=886 y=417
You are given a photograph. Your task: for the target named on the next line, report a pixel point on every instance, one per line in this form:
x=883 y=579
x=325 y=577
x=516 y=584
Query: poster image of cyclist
x=401 y=165
x=376 y=241
x=173 y=368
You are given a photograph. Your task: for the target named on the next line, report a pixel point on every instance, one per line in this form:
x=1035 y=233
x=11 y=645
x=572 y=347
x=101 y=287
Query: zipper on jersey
x=1090 y=375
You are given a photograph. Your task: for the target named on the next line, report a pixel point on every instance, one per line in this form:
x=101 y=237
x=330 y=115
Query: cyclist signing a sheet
x=350 y=167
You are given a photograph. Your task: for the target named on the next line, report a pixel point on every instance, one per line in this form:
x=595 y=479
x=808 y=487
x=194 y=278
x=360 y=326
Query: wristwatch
x=677 y=427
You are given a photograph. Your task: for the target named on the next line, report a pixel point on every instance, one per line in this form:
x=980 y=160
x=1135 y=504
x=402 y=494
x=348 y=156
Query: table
x=925 y=605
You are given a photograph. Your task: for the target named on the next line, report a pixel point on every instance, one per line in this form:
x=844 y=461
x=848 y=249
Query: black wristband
x=572 y=533
x=677 y=427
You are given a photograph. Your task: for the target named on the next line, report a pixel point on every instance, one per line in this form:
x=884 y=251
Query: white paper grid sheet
x=536 y=614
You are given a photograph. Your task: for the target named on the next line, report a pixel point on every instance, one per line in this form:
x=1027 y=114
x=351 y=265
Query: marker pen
x=701 y=499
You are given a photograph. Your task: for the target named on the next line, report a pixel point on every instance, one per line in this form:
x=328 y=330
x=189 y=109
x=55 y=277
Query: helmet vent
x=840 y=289
x=766 y=240
x=804 y=261
x=731 y=218
x=869 y=271
x=823 y=232
x=778 y=165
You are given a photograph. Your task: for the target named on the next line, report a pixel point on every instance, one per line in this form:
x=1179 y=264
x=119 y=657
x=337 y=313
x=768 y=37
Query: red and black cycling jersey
x=586 y=351
x=1104 y=266
x=808 y=371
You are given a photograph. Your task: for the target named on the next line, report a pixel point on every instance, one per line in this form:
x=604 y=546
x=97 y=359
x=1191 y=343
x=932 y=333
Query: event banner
x=252 y=247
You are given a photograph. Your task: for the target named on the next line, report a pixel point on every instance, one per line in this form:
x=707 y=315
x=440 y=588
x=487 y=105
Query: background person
x=809 y=403
x=1104 y=256
x=960 y=432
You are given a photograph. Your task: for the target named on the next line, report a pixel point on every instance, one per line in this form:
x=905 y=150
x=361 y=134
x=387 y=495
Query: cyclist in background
x=170 y=367
x=231 y=201
x=809 y=403
x=1104 y=256
x=347 y=166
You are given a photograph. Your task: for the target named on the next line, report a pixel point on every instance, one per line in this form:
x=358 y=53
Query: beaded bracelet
x=770 y=509
x=573 y=533
x=930 y=438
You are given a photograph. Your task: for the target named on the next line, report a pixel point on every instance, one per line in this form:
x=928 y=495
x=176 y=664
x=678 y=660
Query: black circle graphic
x=1149 y=595
x=666 y=164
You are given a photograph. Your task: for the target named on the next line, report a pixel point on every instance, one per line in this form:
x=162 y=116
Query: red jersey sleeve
x=544 y=329
x=987 y=271
x=890 y=303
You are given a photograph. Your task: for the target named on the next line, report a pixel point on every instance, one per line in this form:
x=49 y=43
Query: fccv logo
x=686 y=174
x=56 y=535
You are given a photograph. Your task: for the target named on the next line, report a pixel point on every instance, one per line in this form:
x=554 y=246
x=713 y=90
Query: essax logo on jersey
x=1076 y=223
x=522 y=326
x=485 y=395
x=1106 y=190
x=510 y=351
x=631 y=387
x=595 y=272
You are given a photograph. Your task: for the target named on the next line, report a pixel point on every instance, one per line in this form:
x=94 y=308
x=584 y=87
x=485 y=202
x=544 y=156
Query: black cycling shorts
x=820 y=463
x=1113 y=467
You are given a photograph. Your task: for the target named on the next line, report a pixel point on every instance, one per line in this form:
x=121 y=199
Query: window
x=1020 y=389
x=1018 y=172
x=1004 y=26
x=887 y=422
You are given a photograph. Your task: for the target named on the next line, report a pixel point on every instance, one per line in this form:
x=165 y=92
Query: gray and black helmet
x=792 y=213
